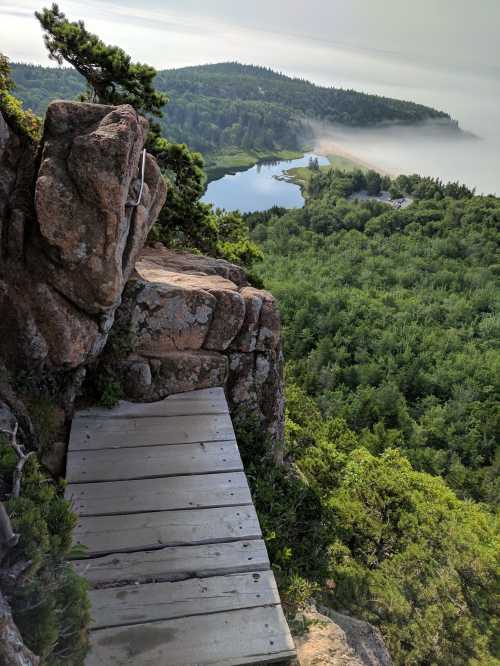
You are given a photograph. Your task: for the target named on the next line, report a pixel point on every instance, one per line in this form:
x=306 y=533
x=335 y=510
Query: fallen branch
x=13 y=651
x=22 y=459
x=10 y=576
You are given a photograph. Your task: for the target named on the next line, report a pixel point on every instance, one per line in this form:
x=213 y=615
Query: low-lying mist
x=429 y=150
x=470 y=156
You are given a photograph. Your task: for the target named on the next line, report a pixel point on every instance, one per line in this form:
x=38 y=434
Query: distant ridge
x=227 y=106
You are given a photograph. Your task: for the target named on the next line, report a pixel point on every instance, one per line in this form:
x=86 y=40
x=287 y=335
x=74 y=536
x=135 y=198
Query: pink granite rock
x=199 y=329
x=89 y=237
x=62 y=282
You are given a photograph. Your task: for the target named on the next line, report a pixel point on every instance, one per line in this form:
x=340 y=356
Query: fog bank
x=471 y=156
x=428 y=150
x=446 y=55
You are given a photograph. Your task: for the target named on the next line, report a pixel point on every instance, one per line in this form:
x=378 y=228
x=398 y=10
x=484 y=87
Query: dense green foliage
x=368 y=534
x=23 y=122
x=50 y=608
x=391 y=320
x=214 y=108
x=111 y=76
x=391 y=336
x=185 y=222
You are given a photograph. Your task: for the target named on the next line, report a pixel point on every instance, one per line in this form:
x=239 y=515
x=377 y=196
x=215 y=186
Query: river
x=259 y=188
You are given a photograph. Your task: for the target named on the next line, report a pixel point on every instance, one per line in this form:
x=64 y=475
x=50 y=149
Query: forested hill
x=214 y=108
x=393 y=380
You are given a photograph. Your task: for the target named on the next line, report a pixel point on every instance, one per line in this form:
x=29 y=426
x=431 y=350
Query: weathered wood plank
x=163 y=494
x=154 y=461
x=137 y=604
x=175 y=553
x=211 y=400
x=102 y=535
x=234 y=638
x=175 y=563
x=90 y=434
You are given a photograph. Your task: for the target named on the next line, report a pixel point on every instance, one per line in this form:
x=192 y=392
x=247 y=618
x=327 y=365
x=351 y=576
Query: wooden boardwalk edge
x=169 y=540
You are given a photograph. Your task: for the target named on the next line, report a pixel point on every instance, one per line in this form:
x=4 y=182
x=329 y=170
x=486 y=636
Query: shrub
x=23 y=122
x=51 y=607
x=373 y=537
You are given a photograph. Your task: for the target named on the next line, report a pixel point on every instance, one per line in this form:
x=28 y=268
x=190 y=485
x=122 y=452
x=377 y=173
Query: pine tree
x=111 y=76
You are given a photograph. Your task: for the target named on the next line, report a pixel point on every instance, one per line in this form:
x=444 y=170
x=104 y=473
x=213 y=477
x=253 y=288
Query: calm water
x=257 y=188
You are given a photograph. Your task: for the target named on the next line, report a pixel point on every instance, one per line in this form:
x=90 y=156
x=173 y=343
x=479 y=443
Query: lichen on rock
x=198 y=324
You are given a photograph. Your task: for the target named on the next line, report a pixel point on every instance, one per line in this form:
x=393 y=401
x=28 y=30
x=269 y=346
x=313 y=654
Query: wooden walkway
x=174 y=553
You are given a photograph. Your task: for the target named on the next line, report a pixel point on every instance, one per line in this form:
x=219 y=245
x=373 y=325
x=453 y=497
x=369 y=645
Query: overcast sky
x=171 y=33
x=444 y=53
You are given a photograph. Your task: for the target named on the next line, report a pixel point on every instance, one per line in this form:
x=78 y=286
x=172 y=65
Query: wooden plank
x=163 y=494
x=154 y=461
x=175 y=563
x=102 y=535
x=137 y=604
x=91 y=434
x=234 y=638
x=211 y=400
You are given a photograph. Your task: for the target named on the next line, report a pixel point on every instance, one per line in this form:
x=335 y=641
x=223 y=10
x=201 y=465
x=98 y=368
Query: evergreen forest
x=389 y=507
x=233 y=109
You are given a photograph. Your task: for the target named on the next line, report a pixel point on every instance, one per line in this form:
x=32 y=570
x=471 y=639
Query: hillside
x=390 y=318
x=391 y=340
x=235 y=113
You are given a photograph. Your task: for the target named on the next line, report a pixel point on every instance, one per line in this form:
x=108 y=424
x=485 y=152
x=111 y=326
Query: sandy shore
x=328 y=147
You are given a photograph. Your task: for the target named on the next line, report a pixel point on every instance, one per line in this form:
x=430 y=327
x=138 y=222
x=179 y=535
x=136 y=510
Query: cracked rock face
x=88 y=235
x=71 y=250
x=194 y=327
x=68 y=238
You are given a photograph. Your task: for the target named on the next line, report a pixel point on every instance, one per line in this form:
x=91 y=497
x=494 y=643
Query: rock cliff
x=69 y=239
x=194 y=322
x=73 y=259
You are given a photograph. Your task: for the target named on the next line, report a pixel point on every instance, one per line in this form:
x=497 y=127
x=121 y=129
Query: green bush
x=23 y=122
x=51 y=607
x=291 y=517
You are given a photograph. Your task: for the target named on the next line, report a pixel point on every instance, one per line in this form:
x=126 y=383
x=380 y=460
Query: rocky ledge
x=72 y=259
x=333 y=639
x=194 y=322
x=69 y=238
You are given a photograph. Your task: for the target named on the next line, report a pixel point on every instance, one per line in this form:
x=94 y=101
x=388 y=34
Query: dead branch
x=22 y=459
x=9 y=577
x=8 y=539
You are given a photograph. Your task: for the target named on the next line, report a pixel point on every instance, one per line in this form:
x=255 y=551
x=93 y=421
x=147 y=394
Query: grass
x=235 y=159
x=345 y=163
x=302 y=175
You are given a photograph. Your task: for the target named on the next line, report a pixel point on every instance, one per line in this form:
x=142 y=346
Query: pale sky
x=284 y=34
x=444 y=53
